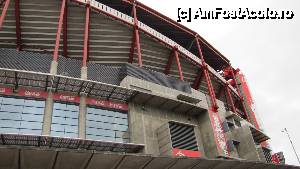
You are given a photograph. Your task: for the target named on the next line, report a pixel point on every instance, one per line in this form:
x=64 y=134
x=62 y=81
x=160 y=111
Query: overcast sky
x=267 y=51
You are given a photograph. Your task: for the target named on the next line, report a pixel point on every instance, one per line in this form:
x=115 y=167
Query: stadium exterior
x=115 y=84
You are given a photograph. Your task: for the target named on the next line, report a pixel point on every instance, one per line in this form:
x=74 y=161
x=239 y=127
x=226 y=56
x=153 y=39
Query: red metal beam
x=18 y=25
x=198 y=80
x=65 y=31
x=169 y=63
x=240 y=95
x=4 y=11
x=230 y=99
x=59 y=28
x=137 y=36
x=133 y=44
x=207 y=77
x=178 y=63
x=86 y=35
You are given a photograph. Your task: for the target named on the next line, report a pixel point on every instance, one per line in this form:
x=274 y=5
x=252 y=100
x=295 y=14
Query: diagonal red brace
x=178 y=63
x=4 y=11
x=207 y=77
x=169 y=63
x=135 y=39
x=86 y=35
x=65 y=31
x=59 y=28
x=18 y=25
x=230 y=99
x=198 y=80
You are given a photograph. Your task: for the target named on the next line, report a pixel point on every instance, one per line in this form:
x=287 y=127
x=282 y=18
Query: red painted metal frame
x=65 y=31
x=175 y=24
x=18 y=24
x=133 y=44
x=4 y=11
x=136 y=35
x=169 y=63
x=233 y=109
x=59 y=28
x=86 y=35
x=207 y=77
x=240 y=96
x=198 y=80
x=178 y=63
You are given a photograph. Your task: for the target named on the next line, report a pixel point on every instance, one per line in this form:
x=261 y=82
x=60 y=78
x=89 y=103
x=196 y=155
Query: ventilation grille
x=183 y=136
x=268 y=155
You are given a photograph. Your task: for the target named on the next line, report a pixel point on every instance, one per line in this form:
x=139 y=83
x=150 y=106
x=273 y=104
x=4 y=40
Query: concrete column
x=82 y=108
x=49 y=103
x=48 y=114
x=82 y=117
x=53 y=68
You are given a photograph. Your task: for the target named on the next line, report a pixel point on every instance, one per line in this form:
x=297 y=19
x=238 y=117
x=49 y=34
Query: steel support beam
x=135 y=39
x=198 y=80
x=86 y=35
x=240 y=95
x=18 y=25
x=4 y=11
x=65 y=31
x=59 y=28
x=207 y=77
x=178 y=63
x=233 y=109
x=169 y=63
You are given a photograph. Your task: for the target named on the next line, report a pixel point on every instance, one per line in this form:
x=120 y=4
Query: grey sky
x=267 y=53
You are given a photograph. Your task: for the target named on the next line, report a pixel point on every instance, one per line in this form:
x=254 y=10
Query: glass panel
x=65 y=120
x=106 y=125
x=22 y=116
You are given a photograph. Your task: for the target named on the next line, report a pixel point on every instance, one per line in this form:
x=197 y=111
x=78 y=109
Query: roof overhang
x=34 y=158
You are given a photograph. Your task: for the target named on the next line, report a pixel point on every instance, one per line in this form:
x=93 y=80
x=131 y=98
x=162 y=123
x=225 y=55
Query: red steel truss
x=59 y=28
x=4 y=11
x=18 y=25
x=86 y=35
x=65 y=31
x=175 y=54
x=135 y=39
x=239 y=92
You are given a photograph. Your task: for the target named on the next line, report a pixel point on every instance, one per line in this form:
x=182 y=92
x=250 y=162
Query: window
x=65 y=120
x=21 y=116
x=106 y=125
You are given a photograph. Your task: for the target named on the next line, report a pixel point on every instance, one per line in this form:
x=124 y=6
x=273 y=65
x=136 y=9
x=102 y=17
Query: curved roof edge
x=170 y=28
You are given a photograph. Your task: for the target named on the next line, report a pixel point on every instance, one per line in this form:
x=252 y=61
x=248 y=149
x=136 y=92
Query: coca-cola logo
x=180 y=154
x=100 y=103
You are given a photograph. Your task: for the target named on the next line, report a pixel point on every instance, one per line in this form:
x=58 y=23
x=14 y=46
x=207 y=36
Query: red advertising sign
x=32 y=93
x=185 y=153
x=65 y=97
x=107 y=104
x=5 y=90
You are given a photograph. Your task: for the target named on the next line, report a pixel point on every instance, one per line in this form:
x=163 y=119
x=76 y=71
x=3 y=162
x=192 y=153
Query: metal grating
x=70 y=143
x=183 y=136
x=30 y=61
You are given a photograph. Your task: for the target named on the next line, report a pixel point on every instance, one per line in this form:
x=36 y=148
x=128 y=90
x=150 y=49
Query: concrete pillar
x=48 y=114
x=82 y=108
x=53 y=67
x=49 y=103
x=82 y=117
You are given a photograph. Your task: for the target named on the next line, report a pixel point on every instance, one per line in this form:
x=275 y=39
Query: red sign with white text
x=107 y=104
x=32 y=93
x=5 y=90
x=185 y=153
x=65 y=97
